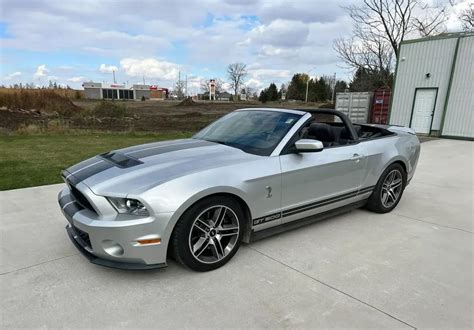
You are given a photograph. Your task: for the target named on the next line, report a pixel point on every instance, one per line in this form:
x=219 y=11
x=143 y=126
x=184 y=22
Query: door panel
x=423 y=109
x=334 y=174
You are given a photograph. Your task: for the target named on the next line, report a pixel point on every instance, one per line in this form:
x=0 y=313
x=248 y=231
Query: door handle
x=356 y=157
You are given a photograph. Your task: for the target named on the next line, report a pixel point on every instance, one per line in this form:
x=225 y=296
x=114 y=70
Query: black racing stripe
x=72 y=180
x=72 y=209
x=164 y=149
x=65 y=199
x=81 y=175
x=312 y=207
x=85 y=163
x=316 y=204
x=367 y=189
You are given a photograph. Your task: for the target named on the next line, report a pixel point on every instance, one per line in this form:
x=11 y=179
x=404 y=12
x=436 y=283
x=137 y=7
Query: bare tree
x=236 y=73
x=467 y=18
x=378 y=28
x=179 y=88
x=431 y=20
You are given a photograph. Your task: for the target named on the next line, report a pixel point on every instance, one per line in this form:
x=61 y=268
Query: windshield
x=256 y=131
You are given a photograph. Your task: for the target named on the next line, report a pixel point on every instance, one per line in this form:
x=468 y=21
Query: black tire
x=378 y=202
x=188 y=229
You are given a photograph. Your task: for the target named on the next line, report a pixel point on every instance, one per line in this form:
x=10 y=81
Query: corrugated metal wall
x=416 y=60
x=355 y=105
x=459 y=119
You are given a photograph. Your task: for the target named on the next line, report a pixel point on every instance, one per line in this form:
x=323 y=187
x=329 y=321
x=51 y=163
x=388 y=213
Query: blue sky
x=74 y=41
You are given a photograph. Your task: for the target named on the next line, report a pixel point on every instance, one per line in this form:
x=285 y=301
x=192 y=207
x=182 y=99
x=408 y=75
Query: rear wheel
x=208 y=234
x=389 y=189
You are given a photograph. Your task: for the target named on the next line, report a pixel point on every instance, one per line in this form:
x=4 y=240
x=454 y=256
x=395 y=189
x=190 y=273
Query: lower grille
x=83 y=236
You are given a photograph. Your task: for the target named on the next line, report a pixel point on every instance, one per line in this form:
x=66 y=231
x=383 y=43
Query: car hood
x=136 y=169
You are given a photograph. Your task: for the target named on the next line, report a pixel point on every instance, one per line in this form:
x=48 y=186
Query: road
x=410 y=268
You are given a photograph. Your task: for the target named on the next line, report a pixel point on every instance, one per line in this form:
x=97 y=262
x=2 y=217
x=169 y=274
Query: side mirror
x=309 y=145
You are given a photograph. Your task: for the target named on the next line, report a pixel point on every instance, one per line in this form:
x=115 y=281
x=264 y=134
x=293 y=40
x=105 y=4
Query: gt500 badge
x=268 y=218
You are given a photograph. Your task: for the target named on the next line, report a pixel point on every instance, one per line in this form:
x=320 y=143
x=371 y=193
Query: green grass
x=37 y=159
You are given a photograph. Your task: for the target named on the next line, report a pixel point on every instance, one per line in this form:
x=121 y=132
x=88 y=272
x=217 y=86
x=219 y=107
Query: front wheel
x=209 y=233
x=389 y=189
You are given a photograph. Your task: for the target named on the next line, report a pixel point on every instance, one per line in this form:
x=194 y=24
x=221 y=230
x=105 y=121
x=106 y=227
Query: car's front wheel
x=209 y=233
x=389 y=189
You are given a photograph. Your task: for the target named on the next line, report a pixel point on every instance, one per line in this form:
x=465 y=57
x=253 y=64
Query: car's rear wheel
x=389 y=189
x=209 y=233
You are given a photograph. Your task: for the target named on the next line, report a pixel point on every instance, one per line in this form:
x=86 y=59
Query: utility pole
x=307 y=84
x=186 y=84
x=334 y=88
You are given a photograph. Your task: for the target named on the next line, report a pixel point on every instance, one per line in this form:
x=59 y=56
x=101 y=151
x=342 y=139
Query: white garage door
x=423 y=110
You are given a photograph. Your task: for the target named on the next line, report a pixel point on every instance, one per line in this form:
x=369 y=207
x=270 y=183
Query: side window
x=325 y=127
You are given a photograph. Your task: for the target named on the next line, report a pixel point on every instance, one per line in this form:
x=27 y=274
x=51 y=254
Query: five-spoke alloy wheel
x=389 y=189
x=214 y=234
x=209 y=233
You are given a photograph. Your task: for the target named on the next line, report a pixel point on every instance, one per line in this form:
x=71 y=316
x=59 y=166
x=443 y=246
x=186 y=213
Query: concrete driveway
x=410 y=268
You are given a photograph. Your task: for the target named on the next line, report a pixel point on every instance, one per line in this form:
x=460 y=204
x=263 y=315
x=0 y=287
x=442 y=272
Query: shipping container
x=380 y=106
x=355 y=105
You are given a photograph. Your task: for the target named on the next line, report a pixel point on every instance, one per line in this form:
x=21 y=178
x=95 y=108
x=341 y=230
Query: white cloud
x=284 y=35
x=41 y=71
x=53 y=78
x=281 y=33
x=149 y=67
x=77 y=79
x=107 y=68
x=13 y=75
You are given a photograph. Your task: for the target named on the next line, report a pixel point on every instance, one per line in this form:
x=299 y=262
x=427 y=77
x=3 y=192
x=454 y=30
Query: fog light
x=112 y=248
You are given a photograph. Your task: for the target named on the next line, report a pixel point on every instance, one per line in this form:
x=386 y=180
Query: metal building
x=100 y=91
x=434 y=86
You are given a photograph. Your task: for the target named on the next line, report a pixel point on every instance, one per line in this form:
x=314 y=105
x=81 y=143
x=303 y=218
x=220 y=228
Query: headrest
x=321 y=132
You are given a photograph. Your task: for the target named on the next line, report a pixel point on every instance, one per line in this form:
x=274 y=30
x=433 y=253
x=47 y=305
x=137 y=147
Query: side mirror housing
x=308 y=145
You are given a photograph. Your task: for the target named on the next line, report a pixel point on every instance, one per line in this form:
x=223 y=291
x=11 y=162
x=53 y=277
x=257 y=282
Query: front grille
x=80 y=198
x=83 y=236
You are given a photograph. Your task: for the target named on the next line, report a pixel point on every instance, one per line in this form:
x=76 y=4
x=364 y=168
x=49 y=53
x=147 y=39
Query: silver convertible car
x=252 y=173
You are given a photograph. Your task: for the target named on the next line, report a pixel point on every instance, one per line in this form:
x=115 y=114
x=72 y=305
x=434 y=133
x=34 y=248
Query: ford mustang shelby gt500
x=251 y=173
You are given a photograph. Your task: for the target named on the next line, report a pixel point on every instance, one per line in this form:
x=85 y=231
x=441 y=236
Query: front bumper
x=113 y=243
x=83 y=248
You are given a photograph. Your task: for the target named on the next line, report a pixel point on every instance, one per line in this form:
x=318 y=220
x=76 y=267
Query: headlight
x=129 y=206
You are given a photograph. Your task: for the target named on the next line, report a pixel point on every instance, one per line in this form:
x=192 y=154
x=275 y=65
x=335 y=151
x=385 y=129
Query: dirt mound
x=187 y=102
x=37 y=99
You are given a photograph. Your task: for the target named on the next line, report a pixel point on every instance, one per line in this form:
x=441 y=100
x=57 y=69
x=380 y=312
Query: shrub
x=110 y=109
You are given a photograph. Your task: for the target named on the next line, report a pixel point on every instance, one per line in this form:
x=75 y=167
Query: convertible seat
x=322 y=132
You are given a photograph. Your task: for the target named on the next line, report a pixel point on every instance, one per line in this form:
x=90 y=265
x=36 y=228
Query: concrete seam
x=38 y=264
x=333 y=288
x=432 y=223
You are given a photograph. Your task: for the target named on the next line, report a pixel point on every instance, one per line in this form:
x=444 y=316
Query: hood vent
x=120 y=160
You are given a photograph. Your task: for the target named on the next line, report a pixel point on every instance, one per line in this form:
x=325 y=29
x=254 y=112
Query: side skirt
x=304 y=221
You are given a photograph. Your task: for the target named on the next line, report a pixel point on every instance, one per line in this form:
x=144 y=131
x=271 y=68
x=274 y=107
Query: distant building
x=159 y=93
x=434 y=86
x=224 y=96
x=100 y=91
